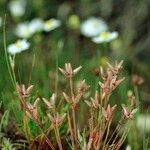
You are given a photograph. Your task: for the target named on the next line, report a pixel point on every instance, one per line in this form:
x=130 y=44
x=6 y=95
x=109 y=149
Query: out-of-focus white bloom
x=105 y=37
x=128 y=147
x=143 y=123
x=36 y=25
x=51 y=24
x=18 y=47
x=17 y=7
x=23 y=30
x=27 y=29
x=93 y=27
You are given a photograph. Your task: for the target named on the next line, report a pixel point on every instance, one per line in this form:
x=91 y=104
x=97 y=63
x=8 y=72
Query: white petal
x=113 y=35
x=18 y=47
x=17 y=8
x=93 y=27
x=23 y=30
x=105 y=37
x=36 y=25
x=13 y=50
x=98 y=39
x=51 y=24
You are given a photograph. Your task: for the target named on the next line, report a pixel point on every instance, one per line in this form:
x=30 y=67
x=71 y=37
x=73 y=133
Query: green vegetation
x=74 y=75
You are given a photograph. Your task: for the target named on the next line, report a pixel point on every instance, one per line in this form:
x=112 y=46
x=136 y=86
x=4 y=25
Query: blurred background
x=67 y=42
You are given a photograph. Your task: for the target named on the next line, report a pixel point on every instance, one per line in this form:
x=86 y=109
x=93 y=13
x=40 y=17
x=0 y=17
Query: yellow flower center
x=27 y=32
x=18 y=45
x=105 y=35
x=48 y=23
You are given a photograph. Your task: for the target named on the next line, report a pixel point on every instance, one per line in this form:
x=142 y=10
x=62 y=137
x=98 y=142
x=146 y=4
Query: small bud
x=22 y=91
x=47 y=103
x=68 y=68
x=108 y=112
x=32 y=110
x=128 y=114
x=29 y=89
x=57 y=120
x=75 y=71
x=53 y=99
x=68 y=72
x=137 y=80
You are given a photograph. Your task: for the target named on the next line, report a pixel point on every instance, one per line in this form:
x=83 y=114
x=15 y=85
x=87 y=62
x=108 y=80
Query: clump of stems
x=98 y=134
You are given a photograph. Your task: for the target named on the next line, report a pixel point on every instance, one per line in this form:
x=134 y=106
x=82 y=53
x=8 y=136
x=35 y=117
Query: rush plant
x=59 y=127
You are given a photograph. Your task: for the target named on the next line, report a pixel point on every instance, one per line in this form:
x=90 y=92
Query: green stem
x=137 y=95
x=58 y=138
x=98 y=55
x=71 y=131
x=107 y=133
x=12 y=76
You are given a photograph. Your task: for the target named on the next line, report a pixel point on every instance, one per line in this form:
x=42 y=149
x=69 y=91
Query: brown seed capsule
x=128 y=114
x=108 y=112
x=137 y=80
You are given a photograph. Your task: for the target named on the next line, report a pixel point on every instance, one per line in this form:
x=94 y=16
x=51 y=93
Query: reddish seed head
x=68 y=72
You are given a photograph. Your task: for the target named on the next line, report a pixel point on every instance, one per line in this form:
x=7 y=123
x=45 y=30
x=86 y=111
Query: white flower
x=17 y=8
x=18 y=47
x=36 y=25
x=51 y=24
x=23 y=30
x=93 y=27
x=27 y=29
x=105 y=37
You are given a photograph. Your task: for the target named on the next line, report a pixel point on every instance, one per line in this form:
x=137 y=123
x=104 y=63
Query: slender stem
x=73 y=109
x=6 y=56
x=47 y=139
x=74 y=124
x=101 y=136
x=98 y=55
x=71 y=89
x=56 y=77
x=57 y=131
x=89 y=144
x=137 y=95
x=121 y=140
x=92 y=118
x=117 y=136
x=58 y=138
x=33 y=64
x=25 y=107
x=117 y=128
x=71 y=132
x=137 y=99
x=25 y=127
x=107 y=133
x=13 y=72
